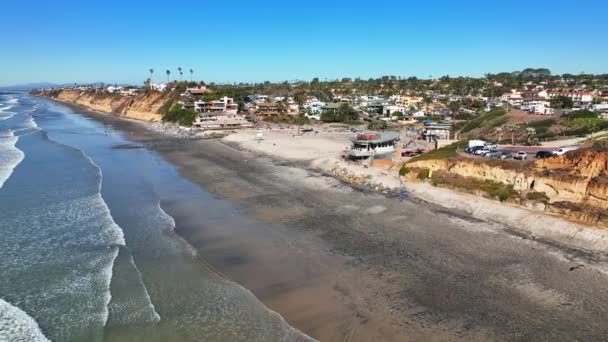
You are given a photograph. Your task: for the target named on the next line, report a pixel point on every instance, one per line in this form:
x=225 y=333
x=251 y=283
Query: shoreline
x=345 y=284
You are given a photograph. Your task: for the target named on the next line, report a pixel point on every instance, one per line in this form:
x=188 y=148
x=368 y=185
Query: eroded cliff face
x=147 y=106
x=575 y=184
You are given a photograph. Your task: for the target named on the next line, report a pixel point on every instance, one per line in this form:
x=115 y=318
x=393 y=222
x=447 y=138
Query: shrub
x=377 y=125
x=540 y=124
x=489 y=119
x=537 y=196
x=177 y=114
x=498 y=190
x=441 y=153
x=583 y=114
x=403 y=171
x=601 y=145
x=423 y=174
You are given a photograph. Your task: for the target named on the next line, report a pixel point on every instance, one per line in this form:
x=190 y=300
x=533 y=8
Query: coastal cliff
x=149 y=106
x=574 y=185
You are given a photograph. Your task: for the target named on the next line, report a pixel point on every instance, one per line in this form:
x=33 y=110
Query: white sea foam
x=17 y=326
x=120 y=239
x=10 y=155
x=5 y=114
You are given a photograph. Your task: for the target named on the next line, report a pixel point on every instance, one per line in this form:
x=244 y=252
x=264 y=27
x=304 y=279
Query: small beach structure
x=373 y=145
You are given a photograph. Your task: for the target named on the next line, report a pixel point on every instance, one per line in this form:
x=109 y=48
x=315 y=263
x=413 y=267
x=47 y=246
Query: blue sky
x=228 y=41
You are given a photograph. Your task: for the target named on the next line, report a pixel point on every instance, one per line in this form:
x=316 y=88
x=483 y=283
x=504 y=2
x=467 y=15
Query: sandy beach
x=346 y=264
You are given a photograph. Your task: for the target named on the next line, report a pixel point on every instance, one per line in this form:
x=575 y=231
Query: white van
x=564 y=150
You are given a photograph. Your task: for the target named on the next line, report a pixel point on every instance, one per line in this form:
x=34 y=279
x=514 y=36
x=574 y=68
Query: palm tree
x=168 y=72
x=151 y=73
x=179 y=69
x=191 y=73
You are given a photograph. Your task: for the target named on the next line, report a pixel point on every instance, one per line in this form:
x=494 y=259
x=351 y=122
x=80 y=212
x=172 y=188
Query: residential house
x=128 y=91
x=113 y=89
x=387 y=111
x=314 y=107
x=225 y=104
x=331 y=107
x=220 y=120
x=200 y=90
x=579 y=97
x=158 y=86
x=538 y=106
x=514 y=98
x=437 y=131
x=408 y=101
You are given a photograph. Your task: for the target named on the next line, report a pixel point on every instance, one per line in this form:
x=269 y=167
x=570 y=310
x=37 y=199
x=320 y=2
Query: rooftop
x=376 y=137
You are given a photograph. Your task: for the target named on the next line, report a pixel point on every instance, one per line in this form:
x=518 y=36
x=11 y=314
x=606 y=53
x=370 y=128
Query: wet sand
x=346 y=265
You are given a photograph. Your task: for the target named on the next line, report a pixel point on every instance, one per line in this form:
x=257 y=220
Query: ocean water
x=87 y=252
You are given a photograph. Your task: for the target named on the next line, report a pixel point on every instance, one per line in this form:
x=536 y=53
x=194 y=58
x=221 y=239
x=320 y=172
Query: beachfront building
x=373 y=145
x=225 y=104
x=220 y=121
x=268 y=109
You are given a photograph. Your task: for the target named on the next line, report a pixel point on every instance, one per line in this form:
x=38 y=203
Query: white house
x=225 y=104
x=387 y=111
x=113 y=89
x=314 y=107
x=577 y=96
x=158 y=86
x=537 y=106
x=514 y=98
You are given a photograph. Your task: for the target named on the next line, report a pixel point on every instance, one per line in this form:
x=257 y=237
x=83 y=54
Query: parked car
x=473 y=149
x=544 y=154
x=564 y=150
x=493 y=154
x=412 y=153
x=521 y=155
x=480 y=151
x=485 y=150
x=505 y=155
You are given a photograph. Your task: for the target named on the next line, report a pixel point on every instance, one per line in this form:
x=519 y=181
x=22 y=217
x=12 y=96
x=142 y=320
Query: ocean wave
x=16 y=325
x=116 y=230
x=10 y=155
x=146 y=312
x=5 y=114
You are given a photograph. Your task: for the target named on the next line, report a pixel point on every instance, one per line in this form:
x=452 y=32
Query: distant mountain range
x=38 y=85
x=29 y=86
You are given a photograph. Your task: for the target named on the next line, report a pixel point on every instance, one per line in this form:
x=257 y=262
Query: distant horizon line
x=321 y=79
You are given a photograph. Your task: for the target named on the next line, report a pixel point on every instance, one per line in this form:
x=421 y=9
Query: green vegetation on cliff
x=184 y=117
x=441 y=153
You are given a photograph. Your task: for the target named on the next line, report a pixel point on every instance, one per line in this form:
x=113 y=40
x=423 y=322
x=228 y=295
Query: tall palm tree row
x=168 y=73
